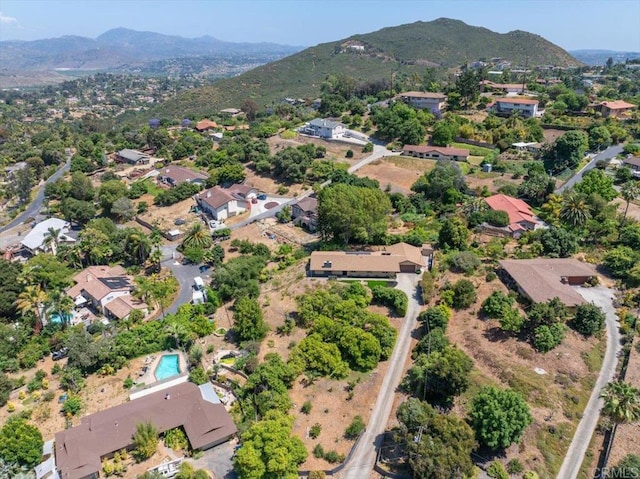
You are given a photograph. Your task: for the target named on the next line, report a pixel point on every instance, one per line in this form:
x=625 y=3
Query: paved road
x=186 y=273
x=34 y=208
x=602 y=297
x=363 y=459
x=607 y=154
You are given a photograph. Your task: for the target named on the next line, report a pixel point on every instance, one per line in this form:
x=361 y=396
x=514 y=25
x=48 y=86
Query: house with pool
x=197 y=410
x=108 y=290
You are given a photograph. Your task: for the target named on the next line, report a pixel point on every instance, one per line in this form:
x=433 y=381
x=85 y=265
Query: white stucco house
x=430 y=101
x=222 y=203
x=323 y=128
x=40 y=239
x=527 y=107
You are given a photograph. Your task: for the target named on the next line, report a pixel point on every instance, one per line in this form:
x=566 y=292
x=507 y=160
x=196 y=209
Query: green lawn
x=473 y=150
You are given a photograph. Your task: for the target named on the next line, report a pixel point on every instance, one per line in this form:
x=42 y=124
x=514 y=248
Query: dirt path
x=602 y=297
x=364 y=455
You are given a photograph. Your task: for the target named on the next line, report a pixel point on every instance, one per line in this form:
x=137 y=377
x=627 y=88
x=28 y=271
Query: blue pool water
x=168 y=366
x=55 y=318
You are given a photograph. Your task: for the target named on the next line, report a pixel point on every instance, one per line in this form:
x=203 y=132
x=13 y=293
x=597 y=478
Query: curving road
x=34 y=207
x=361 y=462
x=607 y=154
x=602 y=297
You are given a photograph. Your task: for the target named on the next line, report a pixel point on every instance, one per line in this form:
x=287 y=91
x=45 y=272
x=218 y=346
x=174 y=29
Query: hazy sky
x=572 y=24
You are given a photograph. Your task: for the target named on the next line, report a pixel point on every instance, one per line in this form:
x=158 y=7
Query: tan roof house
x=173 y=175
x=222 y=203
x=394 y=259
x=615 y=109
x=542 y=279
x=433 y=102
x=305 y=213
x=206 y=124
x=79 y=450
x=108 y=290
x=436 y=152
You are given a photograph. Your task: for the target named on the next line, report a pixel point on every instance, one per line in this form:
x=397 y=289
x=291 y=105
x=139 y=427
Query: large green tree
x=597 y=181
x=440 y=445
x=499 y=417
x=20 y=442
x=269 y=451
x=589 y=319
x=248 y=321
x=353 y=213
x=568 y=151
x=453 y=234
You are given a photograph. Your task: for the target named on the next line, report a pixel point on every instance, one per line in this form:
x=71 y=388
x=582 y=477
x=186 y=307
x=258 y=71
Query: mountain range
x=443 y=43
x=600 y=57
x=121 y=48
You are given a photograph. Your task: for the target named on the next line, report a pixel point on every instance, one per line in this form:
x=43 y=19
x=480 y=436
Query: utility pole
x=524 y=77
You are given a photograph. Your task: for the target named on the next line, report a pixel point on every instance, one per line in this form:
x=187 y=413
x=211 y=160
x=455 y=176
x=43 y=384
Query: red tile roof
x=617 y=105
x=443 y=150
x=517 y=210
x=206 y=125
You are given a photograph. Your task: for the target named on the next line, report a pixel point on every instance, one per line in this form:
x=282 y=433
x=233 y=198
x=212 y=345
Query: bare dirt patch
x=493 y=181
x=399 y=172
x=164 y=216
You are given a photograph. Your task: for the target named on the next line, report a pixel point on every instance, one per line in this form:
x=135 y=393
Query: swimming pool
x=56 y=318
x=168 y=366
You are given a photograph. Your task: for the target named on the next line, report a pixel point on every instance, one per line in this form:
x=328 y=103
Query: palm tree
x=629 y=192
x=575 y=210
x=621 y=402
x=32 y=300
x=51 y=238
x=61 y=304
x=138 y=246
x=145 y=440
x=197 y=237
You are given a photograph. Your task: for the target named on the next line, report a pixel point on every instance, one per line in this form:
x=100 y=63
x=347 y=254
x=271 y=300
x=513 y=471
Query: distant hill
x=121 y=48
x=407 y=48
x=600 y=57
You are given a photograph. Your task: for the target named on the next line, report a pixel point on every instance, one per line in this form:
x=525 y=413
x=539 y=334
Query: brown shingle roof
x=422 y=94
x=308 y=204
x=366 y=261
x=443 y=150
x=180 y=174
x=215 y=197
x=542 y=279
x=79 y=449
x=89 y=280
x=633 y=161
x=618 y=105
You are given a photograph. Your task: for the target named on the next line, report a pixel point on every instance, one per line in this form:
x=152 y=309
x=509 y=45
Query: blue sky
x=572 y=24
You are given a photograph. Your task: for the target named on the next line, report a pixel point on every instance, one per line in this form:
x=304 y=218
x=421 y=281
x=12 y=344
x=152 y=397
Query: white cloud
x=5 y=19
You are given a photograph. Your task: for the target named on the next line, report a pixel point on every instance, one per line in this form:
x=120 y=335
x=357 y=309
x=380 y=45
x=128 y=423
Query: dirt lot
x=493 y=181
x=164 y=216
x=399 y=171
x=556 y=385
x=331 y=409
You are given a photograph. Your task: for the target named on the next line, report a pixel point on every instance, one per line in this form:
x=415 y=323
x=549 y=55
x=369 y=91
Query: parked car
x=262 y=196
x=214 y=223
x=59 y=354
x=203 y=268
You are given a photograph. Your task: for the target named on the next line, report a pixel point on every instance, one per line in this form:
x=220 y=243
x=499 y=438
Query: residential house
x=527 y=107
x=614 y=109
x=231 y=111
x=79 y=450
x=222 y=203
x=108 y=290
x=436 y=152
x=305 y=213
x=532 y=147
x=521 y=218
x=541 y=280
x=387 y=263
x=323 y=128
x=505 y=87
x=633 y=163
x=41 y=238
x=173 y=175
x=12 y=170
x=433 y=102
x=132 y=157
x=204 y=125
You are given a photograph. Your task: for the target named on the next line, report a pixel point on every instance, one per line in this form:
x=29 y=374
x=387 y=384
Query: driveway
x=607 y=154
x=217 y=460
x=364 y=455
x=34 y=207
x=184 y=273
x=603 y=297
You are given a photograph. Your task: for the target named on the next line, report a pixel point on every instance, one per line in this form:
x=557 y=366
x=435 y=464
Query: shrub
x=333 y=457
x=514 y=466
x=145 y=441
x=530 y=475
x=72 y=405
x=465 y=262
x=491 y=276
x=427 y=286
x=497 y=471
x=589 y=319
x=306 y=407
x=128 y=383
x=497 y=218
x=198 y=375
x=464 y=294
x=349 y=154
x=435 y=317
x=355 y=428
x=48 y=396
x=545 y=338
x=315 y=431
x=393 y=298
x=493 y=307
x=176 y=439
x=318 y=451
